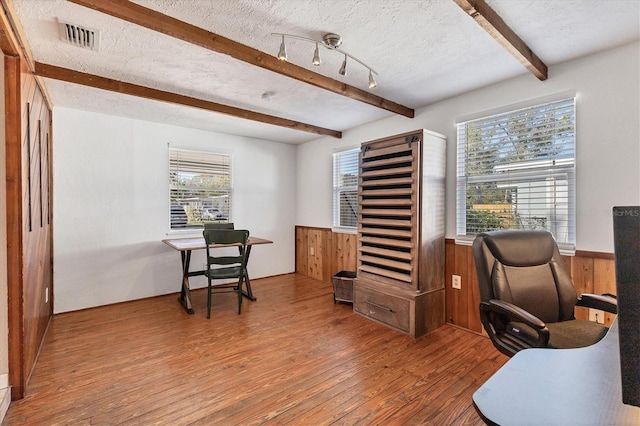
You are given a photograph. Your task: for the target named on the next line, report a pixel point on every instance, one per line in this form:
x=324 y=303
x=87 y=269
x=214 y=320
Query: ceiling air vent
x=76 y=35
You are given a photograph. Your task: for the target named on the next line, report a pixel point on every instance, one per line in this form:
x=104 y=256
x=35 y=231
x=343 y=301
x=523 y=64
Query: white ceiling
x=423 y=51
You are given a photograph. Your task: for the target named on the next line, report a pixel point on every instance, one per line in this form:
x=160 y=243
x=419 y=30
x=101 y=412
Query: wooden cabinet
x=400 y=280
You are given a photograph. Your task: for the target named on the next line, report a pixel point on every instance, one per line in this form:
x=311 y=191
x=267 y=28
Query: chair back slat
x=218 y=225
x=225 y=260
x=226 y=236
x=238 y=237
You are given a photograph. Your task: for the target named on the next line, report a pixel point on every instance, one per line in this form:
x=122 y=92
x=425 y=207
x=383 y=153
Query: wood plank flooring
x=292 y=357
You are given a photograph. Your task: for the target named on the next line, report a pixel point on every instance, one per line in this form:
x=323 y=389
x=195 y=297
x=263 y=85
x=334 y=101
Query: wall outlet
x=596 y=315
x=456 y=282
x=312 y=251
x=46 y=295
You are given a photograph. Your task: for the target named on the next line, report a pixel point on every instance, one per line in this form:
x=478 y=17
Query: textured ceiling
x=423 y=51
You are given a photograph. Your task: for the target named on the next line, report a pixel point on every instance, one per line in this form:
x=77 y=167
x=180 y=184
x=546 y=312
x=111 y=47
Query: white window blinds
x=200 y=188
x=516 y=170
x=345 y=189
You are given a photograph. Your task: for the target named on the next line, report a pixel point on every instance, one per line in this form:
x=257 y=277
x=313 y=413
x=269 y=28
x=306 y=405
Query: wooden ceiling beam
x=77 y=77
x=493 y=24
x=184 y=31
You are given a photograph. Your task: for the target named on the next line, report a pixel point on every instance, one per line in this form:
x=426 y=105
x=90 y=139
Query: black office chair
x=225 y=267
x=527 y=299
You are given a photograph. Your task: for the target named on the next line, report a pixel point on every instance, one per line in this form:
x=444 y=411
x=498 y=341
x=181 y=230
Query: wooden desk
x=559 y=387
x=185 y=246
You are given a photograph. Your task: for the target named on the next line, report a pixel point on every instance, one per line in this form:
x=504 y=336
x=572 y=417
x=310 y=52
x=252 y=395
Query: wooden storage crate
x=343 y=286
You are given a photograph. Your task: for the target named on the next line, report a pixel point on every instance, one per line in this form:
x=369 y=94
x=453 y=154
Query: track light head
x=316 y=57
x=343 y=68
x=282 y=54
x=372 y=81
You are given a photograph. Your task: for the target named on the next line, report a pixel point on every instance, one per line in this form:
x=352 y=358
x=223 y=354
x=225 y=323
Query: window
x=345 y=189
x=199 y=188
x=516 y=170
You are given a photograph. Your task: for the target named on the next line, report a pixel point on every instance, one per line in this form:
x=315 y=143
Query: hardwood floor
x=291 y=357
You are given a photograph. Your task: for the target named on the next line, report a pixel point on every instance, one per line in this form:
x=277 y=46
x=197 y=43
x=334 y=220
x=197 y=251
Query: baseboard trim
x=154 y=296
x=5 y=400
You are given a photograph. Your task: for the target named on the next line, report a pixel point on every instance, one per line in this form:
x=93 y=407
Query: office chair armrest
x=602 y=302
x=516 y=313
x=496 y=315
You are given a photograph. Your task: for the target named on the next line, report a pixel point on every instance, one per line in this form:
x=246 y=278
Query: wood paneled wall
x=29 y=219
x=320 y=253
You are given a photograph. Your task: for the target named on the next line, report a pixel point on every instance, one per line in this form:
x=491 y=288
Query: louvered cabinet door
x=388 y=209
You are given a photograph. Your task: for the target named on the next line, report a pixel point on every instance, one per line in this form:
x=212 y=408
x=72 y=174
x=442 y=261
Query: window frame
x=338 y=189
x=200 y=205
x=528 y=174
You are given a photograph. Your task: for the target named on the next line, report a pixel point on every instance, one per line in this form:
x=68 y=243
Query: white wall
x=607 y=140
x=111 y=206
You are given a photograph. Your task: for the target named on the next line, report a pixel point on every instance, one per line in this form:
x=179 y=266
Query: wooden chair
x=225 y=267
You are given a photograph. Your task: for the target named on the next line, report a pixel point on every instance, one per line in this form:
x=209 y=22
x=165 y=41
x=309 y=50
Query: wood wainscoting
x=321 y=253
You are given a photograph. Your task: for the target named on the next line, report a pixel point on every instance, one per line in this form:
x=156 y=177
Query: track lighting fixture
x=329 y=41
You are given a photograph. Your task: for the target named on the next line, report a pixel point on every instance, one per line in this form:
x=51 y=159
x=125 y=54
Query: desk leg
x=185 y=294
x=248 y=294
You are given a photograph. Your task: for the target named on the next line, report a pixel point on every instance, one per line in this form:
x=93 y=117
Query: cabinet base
x=412 y=313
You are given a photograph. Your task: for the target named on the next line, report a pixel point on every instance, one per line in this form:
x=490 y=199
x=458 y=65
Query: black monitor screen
x=626 y=237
